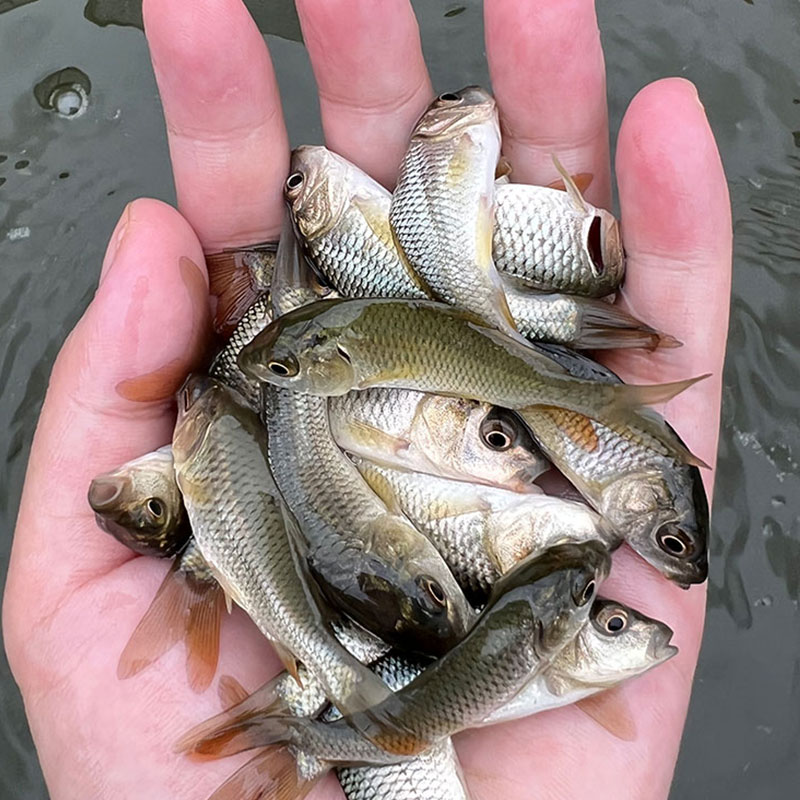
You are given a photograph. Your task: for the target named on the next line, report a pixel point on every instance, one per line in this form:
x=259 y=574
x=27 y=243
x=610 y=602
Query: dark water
x=65 y=179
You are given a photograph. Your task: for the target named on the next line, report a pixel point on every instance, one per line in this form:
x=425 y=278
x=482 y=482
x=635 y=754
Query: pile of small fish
x=361 y=470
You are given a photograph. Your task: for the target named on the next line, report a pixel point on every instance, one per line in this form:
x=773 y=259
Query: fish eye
x=294 y=181
x=433 y=589
x=449 y=97
x=286 y=368
x=674 y=541
x=582 y=592
x=594 y=243
x=155 y=507
x=498 y=433
x=613 y=620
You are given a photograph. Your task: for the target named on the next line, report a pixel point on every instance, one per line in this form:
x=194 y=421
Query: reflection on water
x=68 y=166
x=271 y=16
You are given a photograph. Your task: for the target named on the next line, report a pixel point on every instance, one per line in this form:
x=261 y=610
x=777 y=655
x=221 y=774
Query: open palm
x=74 y=595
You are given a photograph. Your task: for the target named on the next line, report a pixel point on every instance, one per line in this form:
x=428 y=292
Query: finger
x=372 y=80
x=548 y=75
x=110 y=397
x=677 y=232
x=227 y=139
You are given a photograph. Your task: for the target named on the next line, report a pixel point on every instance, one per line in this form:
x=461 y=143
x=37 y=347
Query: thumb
x=109 y=399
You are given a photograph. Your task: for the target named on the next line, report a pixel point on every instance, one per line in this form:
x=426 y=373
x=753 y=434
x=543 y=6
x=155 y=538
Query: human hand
x=74 y=595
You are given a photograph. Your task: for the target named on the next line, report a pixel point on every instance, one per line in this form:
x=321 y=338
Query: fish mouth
x=660 y=649
x=105 y=490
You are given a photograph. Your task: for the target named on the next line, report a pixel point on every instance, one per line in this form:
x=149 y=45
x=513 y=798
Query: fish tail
x=271 y=774
x=236 y=736
x=603 y=326
x=248 y=714
x=185 y=607
x=231 y=283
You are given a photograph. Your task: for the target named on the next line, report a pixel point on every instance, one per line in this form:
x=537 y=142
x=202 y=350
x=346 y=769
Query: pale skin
x=74 y=595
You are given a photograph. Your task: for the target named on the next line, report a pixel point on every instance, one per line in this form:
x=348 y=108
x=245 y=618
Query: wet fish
x=342 y=216
x=330 y=348
x=239 y=524
x=557 y=241
x=616 y=643
x=236 y=278
x=533 y=612
x=442 y=209
x=370 y=562
x=482 y=531
x=447 y=436
x=140 y=506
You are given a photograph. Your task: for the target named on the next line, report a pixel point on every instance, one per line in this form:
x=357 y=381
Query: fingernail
x=115 y=242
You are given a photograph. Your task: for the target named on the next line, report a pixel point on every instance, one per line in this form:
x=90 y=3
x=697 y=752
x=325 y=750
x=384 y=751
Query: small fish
x=442 y=210
x=240 y=527
x=342 y=216
x=140 y=506
x=482 y=531
x=557 y=241
x=447 y=436
x=236 y=278
x=534 y=611
x=615 y=644
x=656 y=501
x=332 y=347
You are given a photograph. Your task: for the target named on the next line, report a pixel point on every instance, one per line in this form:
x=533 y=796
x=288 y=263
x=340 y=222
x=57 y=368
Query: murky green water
x=66 y=174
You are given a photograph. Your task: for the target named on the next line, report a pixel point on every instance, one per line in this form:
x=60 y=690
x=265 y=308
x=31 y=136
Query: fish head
x=664 y=517
x=451 y=113
x=500 y=449
x=559 y=585
x=139 y=505
x=413 y=590
x=616 y=643
x=305 y=350
x=602 y=246
x=316 y=190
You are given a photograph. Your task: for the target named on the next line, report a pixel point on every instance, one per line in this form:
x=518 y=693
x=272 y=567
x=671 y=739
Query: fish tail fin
x=247 y=710
x=229 y=738
x=231 y=282
x=183 y=608
x=604 y=326
x=271 y=774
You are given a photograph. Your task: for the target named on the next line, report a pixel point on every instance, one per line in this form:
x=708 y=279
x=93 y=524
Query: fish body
x=225 y=368
x=556 y=242
x=342 y=216
x=239 y=526
x=482 y=531
x=655 y=501
x=615 y=644
x=442 y=209
x=369 y=561
x=332 y=347
x=140 y=506
x=447 y=436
